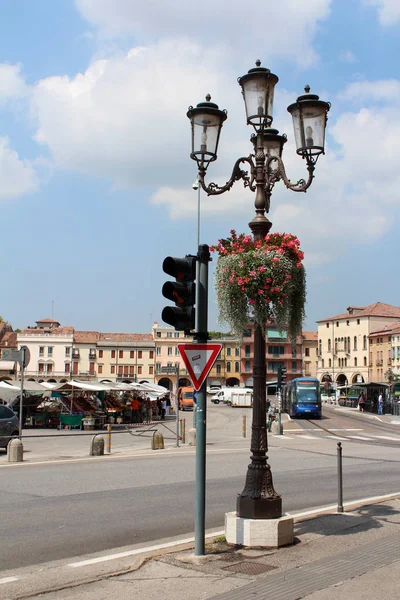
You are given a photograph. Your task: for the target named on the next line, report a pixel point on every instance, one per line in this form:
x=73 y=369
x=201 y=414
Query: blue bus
x=302 y=397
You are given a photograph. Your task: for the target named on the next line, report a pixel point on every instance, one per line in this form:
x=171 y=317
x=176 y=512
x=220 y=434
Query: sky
x=95 y=173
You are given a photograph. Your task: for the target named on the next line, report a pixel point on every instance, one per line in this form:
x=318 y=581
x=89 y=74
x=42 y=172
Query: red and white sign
x=199 y=359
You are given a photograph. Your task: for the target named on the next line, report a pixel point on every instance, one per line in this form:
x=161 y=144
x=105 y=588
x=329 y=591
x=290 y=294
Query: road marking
x=359 y=437
x=108 y=557
x=387 y=437
x=337 y=437
x=9 y=579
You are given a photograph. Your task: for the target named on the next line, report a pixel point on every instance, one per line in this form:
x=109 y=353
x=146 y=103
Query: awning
x=7 y=365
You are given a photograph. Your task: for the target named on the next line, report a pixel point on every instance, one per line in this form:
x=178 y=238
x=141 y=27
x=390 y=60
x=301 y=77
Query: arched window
x=329 y=345
x=355 y=361
x=237 y=367
x=345 y=362
x=365 y=342
x=320 y=347
x=335 y=345
x=330 y=363
x=355 y=342
x=365 y=361
x=348 y=345
x=228 y=367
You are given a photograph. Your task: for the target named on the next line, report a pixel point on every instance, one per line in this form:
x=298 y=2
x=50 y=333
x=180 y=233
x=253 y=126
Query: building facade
x=343 y=342
x=309 y=353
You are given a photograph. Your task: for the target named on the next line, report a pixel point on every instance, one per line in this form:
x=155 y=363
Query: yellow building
x=343 y=342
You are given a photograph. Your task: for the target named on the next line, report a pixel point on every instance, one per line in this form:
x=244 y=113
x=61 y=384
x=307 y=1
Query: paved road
x=52 y=511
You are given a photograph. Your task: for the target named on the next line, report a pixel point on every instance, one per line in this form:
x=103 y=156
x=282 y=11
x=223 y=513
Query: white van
x=225 y=395
x=241 y=397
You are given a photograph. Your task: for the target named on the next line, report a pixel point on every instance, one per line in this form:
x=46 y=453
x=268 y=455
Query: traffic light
x=281 y=376
x=182 y=292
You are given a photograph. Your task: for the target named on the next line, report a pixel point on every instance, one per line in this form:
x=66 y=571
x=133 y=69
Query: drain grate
x=249 y=568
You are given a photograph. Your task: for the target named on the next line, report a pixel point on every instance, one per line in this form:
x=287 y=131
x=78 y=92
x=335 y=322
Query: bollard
x=97 y=445
x=183 y=430
x=340 y=477
x=15 y=450
x=157 y=441
x=192 y=437
x=244 y=426
x=108 y=443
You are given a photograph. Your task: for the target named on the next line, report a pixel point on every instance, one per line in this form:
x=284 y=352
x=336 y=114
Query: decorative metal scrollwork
x=213 y=189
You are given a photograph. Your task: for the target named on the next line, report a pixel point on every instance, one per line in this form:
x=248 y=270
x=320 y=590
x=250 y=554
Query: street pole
x=201 y=336
x=177 y=407
x=259 y=500
x=22 y=367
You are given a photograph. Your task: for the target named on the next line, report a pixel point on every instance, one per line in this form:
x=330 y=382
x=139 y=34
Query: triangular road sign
x=199 y=359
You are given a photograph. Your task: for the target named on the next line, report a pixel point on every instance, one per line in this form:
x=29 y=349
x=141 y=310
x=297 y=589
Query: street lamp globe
x=273 y=145
x=309 y=115
x=207 y=120
x=258 y=87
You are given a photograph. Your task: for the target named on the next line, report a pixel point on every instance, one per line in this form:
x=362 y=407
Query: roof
x=54 y=330
x=86 y=337
x=47 y=321
x=379 y=309
x=126 y=337
x=92 y=337
x=9 y=340
x=310 y=336
x=393 y=328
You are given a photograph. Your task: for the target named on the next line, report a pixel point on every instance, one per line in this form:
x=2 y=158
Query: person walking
x=163 y=409
x=380 y=404
x=361 y=401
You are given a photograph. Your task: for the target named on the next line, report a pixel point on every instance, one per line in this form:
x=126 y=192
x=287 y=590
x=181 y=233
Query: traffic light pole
x=201 y=336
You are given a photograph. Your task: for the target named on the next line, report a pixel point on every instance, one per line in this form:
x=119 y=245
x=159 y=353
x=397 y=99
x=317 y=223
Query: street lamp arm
x=213 y=189
x=273 y=175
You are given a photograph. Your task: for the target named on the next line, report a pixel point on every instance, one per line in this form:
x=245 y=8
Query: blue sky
x=95 y=174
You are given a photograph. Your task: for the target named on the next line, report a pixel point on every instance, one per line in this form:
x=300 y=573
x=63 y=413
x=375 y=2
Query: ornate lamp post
x=258 y=499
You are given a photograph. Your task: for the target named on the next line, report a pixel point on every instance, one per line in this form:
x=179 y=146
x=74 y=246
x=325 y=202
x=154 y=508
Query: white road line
x=284 y=436
x=108 y=557
x=9 y=579
x=337 y=437
x=310 y=437
x=343 y=429
x=387 y=437
x=359 y=437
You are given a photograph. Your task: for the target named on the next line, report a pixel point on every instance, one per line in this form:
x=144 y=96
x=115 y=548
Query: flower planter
x=262 y=280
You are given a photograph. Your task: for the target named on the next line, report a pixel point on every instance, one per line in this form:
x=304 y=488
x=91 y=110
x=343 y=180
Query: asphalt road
x=54 y=511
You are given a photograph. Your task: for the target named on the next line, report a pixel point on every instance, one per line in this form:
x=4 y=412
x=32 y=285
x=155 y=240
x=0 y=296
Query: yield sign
x=199 y=359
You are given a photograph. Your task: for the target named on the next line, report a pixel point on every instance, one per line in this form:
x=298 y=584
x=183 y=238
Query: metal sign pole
x=22 y=367
x=201 y=413
x=177 y=407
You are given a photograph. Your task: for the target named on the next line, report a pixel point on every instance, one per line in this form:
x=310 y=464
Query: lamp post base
x=259 y=508
x=259 y=533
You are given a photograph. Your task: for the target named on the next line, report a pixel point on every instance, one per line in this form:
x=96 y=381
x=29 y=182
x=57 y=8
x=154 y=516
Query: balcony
x=92 y=355
x=122 y=376
x=379 y=363
x=75 y=354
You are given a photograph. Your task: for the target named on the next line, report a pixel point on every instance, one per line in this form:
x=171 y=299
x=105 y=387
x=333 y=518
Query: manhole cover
x=249 y=568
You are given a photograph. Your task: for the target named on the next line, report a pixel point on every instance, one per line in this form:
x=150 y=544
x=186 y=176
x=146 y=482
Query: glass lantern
x=207 y=120
x=258 y=87
x=309 y=115
x=273 y=145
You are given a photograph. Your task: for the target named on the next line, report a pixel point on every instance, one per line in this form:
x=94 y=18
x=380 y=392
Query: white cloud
x=368 y=92
x=214 y=22
x=348 y=56
x=12 y=84
x=389 y=10
x=17 y=176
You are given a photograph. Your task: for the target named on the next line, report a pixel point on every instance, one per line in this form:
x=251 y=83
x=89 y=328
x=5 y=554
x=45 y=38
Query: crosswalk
x=336 y=434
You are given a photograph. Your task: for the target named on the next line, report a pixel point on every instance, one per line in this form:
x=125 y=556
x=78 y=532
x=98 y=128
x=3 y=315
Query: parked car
x=9 y=425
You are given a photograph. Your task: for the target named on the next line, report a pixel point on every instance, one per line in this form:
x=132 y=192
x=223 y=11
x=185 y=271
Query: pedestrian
x=135 y=410
x=361 y=401
x=168 y=405
x=380 y=404
x=149 y=410
x=163 y=409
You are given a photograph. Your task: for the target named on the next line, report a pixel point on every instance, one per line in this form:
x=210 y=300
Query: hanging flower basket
x=263 y=280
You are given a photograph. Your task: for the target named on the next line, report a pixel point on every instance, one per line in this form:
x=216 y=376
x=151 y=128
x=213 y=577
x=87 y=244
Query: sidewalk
x=352 y=555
